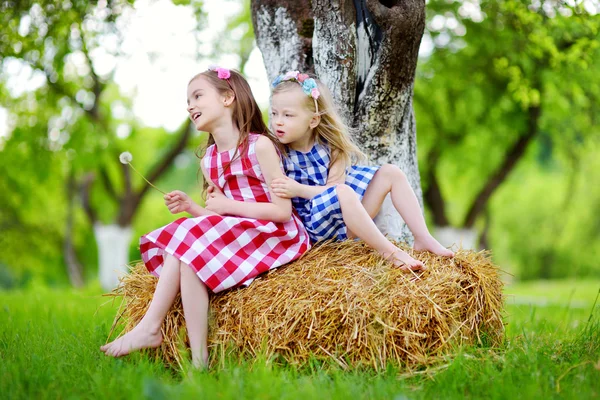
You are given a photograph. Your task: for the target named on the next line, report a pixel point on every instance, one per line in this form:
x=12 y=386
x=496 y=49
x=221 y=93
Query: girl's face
x=206 y=105
x=291 y=120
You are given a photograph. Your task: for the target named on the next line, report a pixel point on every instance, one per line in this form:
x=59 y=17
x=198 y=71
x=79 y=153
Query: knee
x=345 y=193
x=343 y=190
x=392 y=171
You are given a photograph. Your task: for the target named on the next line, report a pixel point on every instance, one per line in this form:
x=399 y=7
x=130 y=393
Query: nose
x=190 y=108
x=277 y=120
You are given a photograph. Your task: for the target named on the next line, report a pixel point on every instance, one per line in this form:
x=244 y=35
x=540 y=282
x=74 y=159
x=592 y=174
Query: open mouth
x=196 y=115
x=279 y=133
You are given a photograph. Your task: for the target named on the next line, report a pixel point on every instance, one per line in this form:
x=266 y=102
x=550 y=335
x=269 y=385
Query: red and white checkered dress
x=227 y=251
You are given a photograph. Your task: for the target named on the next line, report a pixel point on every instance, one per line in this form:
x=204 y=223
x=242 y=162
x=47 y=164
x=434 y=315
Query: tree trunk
x=113 y=253
x=74 y=270
x=366 y=53
x=450 y=236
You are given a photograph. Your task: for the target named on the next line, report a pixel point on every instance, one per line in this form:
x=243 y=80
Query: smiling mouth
x=196 y=115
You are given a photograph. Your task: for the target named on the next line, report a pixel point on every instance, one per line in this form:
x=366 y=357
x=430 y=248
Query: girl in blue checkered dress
x=334 y=198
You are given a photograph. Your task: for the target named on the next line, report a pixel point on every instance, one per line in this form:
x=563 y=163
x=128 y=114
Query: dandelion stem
x=149 y=183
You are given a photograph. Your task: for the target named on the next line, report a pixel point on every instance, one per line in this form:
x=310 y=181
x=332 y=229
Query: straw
x=343 y=303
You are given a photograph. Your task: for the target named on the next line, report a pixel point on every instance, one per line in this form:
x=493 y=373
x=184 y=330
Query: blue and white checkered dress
x=322 y=215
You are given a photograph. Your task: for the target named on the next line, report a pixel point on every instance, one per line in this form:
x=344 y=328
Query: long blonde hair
x=331 y=130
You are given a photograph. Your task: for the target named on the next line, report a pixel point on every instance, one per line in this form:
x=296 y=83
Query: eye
x=196 y=96
x=288 y=115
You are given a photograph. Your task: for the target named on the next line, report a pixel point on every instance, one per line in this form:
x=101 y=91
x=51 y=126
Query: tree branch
x=511 y=158
x=403 y=24
x=85 y=189
x=74 y=270
x=110 y=189
x=131 y=202
x=98 y=86
x=433 y=194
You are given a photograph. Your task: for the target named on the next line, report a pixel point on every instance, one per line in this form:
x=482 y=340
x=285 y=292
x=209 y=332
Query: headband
x=309 y=85
x=222 y=73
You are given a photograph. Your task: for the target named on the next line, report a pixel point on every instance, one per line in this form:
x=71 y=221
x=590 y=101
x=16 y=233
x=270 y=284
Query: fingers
x=280 y=182
x=175 y=195
x=282 y=193
x=174 y=208
x=174 y=201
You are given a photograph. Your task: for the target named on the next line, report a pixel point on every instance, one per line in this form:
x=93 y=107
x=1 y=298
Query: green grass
x=49 y=343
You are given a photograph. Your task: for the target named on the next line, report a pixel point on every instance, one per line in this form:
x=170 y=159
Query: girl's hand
x=286 y=187
x=178 y=202
x=216 y=201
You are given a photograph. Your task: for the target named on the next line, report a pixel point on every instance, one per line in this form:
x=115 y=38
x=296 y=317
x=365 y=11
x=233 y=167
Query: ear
x=228 y=99
x=315 y=121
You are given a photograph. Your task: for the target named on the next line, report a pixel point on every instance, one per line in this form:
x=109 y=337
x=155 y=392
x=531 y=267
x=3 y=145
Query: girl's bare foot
x=430 y=244
x=402 y=260
x=200 y=362
x=136 y=339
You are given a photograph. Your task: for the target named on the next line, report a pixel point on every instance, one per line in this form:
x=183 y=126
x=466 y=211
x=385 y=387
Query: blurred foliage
x=490 y=64
x=545 y=222
x=498 y=72
x=70 y=121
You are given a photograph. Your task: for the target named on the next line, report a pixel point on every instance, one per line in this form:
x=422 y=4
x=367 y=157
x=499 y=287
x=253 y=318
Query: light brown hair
x=246 y=113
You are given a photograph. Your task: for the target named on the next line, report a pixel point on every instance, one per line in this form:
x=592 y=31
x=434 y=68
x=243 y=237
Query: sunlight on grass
x=577 y=294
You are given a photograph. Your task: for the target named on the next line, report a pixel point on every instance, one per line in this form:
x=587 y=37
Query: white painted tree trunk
x=113 y=253
x=465 y=238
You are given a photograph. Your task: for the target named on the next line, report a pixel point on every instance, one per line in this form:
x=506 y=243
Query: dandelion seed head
x=125 y=157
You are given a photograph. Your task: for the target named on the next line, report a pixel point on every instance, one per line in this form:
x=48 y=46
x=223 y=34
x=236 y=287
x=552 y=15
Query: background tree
x=74 y=120
x=508 y=89
x=513 y=58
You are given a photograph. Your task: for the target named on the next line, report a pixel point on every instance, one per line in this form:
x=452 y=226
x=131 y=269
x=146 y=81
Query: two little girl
x=247 y=226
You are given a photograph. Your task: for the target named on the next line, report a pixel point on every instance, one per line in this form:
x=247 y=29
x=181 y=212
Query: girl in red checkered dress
x=242 y=231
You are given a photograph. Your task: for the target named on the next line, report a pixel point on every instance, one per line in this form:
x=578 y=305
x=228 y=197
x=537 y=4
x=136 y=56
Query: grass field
x=49 y=343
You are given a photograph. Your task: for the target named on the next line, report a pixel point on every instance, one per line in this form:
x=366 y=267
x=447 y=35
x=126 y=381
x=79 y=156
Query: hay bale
x=342 y=301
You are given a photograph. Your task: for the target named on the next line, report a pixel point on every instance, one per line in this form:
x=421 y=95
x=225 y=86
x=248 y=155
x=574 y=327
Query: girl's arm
x=278 y=210
x=287 y=188
x=178 y=201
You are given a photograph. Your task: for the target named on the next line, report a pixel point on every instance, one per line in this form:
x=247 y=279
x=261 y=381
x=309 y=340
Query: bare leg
x=194 y=296
x=358 y=220
x=147 y=332
x=388 y=179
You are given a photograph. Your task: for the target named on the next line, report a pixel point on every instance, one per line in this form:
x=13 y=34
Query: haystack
x=340 y=302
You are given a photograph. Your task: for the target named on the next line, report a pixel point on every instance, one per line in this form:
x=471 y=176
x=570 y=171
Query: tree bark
x=366 y=52
x=74 y=270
